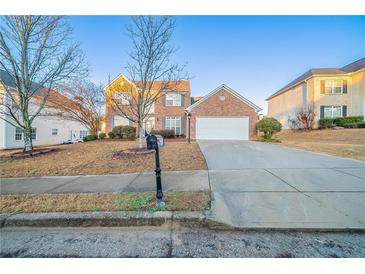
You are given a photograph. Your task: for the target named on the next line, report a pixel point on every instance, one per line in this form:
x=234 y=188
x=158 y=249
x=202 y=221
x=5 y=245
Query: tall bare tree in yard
x=81 y=101
x=150 y=69
x=37 y=54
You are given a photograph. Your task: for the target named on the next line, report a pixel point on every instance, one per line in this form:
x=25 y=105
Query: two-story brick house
x=223 y=114
x=334 y=92
x=167 y=112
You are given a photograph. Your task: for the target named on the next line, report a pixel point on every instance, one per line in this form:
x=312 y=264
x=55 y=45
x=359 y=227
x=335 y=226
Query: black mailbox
x=152 y=143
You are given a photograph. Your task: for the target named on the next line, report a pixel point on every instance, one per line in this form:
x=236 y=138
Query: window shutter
x=183 y=125
x=181 y=99
x=322 y=112
x=163 y=122
x=344 y=88
x=164 y=100
x=322 y=86
x=344 y=111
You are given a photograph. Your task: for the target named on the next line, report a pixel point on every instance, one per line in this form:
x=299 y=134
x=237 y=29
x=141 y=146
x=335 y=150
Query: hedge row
x=123 y=132
x=340 y=121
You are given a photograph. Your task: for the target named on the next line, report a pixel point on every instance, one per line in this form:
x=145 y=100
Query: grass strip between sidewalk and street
x=136 y=201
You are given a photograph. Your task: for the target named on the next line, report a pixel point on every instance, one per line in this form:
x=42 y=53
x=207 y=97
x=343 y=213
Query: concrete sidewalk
x=133 y=182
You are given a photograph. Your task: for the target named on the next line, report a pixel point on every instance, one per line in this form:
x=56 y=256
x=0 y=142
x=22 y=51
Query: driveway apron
x=271 y=186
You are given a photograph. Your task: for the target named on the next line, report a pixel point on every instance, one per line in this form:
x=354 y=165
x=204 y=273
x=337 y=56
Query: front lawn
x=141 y=201
x=349 y=143
x=97 y=157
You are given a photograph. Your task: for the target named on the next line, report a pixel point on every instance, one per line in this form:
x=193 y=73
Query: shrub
x=355 y=125
x=117 y=131
x=341 y=121
x=268 y=126
x=325 y=123
x=111 y=135
x=102 y=135
x=165 y=133
x=124 y=132
x=90 y=137
x=128 y=132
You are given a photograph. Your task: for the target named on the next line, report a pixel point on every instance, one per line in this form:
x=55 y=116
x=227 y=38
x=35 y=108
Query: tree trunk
x=140 y=136
x=28 y=143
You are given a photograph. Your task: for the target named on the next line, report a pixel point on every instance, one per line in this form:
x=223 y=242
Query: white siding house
x=47 y=130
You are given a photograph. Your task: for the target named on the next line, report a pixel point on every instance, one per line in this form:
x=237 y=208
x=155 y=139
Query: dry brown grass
x=97 y=158
x=349 y=143
x=144 y=201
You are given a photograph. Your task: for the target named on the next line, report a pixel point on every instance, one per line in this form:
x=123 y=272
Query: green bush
x=165 y=133
x=90 y=137
x=111 y=135
x=128 y=132
x=102 y=135
x=124 y=132
x=268 y=126
x=355 y=125
x=325 y=123
x=341 y=121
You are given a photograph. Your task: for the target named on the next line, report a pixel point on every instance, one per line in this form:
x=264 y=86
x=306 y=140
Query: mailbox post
x=152 y=143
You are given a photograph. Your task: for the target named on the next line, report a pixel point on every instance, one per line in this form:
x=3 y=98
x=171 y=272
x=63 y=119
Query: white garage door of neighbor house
x=222 y=128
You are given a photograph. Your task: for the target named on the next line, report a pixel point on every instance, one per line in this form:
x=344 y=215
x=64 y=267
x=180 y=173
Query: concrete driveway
x=264 y=185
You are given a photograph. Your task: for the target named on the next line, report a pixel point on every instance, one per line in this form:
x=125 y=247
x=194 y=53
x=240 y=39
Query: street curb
x=107 y=219
x=191 y=219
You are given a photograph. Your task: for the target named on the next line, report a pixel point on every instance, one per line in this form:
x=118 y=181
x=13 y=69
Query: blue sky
x=254 y=55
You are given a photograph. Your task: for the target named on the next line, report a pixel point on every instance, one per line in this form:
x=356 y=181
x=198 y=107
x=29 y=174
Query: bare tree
x=81 y=101
x=150 y=69
x=304 y=118
x=37 y=55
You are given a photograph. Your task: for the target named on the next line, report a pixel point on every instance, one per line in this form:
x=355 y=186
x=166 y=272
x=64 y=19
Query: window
x=18 y=134
x=33 y=133
x=332 y=111
x=83 y=133
x=333 y=86
x=54 y=131
x=173 y=99
x=120 y=121
x=173 y=123
x=123 y=98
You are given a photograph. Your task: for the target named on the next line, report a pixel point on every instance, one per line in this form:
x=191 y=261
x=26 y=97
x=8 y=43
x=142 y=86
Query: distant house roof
x=8 y=80
x=355 y=66
x=55 y=98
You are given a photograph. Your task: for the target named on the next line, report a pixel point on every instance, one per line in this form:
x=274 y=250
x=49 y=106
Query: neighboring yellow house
x=333 y=92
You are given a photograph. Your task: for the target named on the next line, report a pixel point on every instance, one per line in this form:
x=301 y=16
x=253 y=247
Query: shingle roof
x=355 y=66
x=8 y=80
x=182 y=85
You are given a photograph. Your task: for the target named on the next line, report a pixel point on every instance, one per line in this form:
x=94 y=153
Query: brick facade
x=230 y=106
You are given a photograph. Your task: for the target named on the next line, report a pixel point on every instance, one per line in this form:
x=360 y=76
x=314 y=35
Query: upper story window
x=173 y=99
x=333 y=86
x=123 y=97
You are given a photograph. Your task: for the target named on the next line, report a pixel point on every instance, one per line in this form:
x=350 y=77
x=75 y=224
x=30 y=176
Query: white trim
x=228 y=89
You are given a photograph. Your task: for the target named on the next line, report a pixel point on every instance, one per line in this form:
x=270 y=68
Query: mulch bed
x=132 y=152
x=35 y=152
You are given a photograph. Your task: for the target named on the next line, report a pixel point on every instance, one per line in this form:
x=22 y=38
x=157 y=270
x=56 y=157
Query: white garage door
x=222 y=128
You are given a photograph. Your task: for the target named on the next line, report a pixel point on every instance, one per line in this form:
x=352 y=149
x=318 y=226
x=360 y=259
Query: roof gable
x=231 y=91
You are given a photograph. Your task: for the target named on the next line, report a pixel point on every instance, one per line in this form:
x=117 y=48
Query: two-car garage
x=223 y=114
